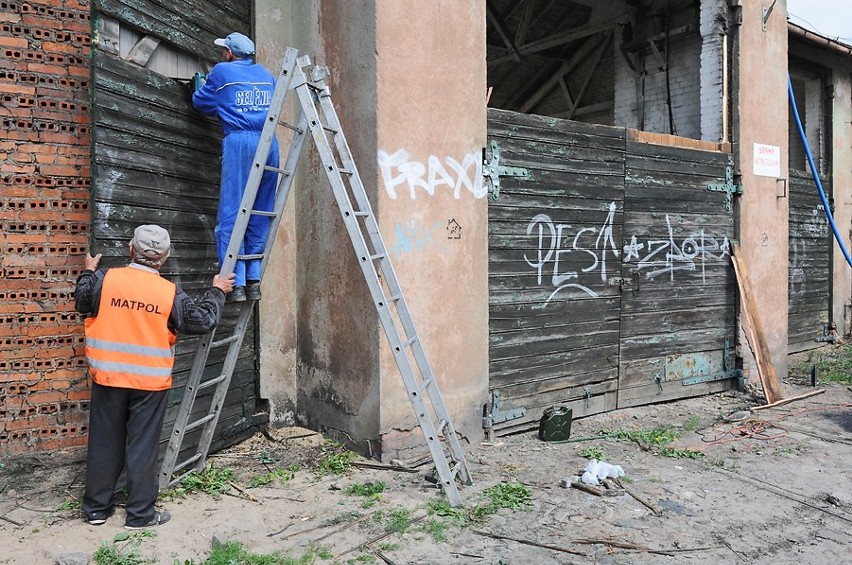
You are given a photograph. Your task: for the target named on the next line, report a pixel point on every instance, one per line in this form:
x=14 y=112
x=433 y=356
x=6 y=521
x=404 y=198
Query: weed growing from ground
x=336 y=460
x=371 y=491
x=592 y=452
x=284 y=474
x=233 y=553
x=73 y=504
x=211 y=480
x=656 y=440
x=110 y=554
x=692 y=423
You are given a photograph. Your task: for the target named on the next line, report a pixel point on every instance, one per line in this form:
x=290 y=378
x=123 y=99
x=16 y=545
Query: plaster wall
x=761 y=111
x=277 y=313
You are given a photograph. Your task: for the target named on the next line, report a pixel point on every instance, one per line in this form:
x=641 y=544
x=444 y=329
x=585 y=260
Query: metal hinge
x=729 y=187
x=492 y=170
x=496 y=414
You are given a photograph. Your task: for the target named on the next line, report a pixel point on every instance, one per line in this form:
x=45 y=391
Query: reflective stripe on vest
x=128 y=344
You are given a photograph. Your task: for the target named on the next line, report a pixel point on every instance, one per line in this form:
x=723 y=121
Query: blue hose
x=814 y=171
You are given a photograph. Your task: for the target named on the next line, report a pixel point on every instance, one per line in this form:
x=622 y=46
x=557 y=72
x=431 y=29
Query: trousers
x=124 y=434
x=238 y=149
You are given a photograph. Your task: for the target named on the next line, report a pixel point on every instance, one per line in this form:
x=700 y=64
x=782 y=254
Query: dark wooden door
x=809 y=289
x=554 y=240
x=156 y=160
x=678 y=301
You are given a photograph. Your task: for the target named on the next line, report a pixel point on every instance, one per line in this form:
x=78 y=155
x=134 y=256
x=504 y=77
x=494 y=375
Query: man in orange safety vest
x=133 y=318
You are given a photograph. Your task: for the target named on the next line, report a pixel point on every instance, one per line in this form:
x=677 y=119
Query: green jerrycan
x=555 y=424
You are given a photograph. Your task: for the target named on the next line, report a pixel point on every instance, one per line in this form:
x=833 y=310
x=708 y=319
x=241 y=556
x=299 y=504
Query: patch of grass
x=833 y=365
x=396 y=521
x=592 y=452
x=110 y=554
x=436 y=529
x=656 y=440
x=233 y=553
x=211 y=480
x=509 y=495
x=72 y=504
x=371 y=491
x=692 y=423
x=284 y=474
x=336 y=459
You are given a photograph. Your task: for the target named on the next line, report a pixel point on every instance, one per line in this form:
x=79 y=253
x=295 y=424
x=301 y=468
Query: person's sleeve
x=204 y=99
x=87 y=294
x=201 y=317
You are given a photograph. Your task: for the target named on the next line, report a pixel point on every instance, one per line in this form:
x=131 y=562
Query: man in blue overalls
x=238 y=91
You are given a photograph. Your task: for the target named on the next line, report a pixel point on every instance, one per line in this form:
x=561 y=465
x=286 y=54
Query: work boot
x=253 y=290
x=237 y=295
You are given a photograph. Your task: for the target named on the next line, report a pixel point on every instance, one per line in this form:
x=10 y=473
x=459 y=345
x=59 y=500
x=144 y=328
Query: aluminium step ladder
x=182 y=425
x=319 y=116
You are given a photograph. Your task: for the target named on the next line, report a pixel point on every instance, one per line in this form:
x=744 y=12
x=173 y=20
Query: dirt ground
x=773 y=486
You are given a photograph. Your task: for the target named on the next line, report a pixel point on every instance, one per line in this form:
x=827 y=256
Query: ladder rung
x=250 y=257
x=276 y=170
x=288 y=125
x=198 y=423
x=269 y=214
x=225 y=341
x=328 y=129
x=409 y=341
x=211 y=382
x=455 y=470
x=423 y=386
x=346 y=171
x=186 y=463
x=377 y=256
x=361 y=214
x=394 y=298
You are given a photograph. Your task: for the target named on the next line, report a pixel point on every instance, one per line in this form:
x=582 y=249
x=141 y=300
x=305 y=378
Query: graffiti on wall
x=401 y=174
x=415 y=238
x=564 y=252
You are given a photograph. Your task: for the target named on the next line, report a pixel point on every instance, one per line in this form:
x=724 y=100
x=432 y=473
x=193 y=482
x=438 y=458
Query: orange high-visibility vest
x=128 y=344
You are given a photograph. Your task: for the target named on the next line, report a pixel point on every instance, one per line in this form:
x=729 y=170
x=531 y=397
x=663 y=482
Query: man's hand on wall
x=91 y=263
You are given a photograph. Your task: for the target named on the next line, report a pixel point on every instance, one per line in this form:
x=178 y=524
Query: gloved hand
x=197 y=81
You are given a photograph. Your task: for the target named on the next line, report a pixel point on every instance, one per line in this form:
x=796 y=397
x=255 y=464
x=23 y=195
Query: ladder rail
x=267 y=138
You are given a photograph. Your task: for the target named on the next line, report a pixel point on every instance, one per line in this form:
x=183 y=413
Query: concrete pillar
x=408 y=79
x=761 y=112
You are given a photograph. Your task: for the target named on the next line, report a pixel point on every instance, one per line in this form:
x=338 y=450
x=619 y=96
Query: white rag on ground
x=596 y=470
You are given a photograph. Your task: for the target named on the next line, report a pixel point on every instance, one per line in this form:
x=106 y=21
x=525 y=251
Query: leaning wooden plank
x=791 y=399
x=765 y=368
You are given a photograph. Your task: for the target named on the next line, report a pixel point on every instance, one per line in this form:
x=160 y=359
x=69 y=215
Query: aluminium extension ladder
x=319 y=116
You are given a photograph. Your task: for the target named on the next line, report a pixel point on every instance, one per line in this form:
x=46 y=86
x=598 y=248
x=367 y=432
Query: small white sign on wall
x=767 y=160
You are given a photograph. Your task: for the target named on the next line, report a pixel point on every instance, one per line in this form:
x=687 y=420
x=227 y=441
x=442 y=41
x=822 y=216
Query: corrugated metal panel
x=678 y=307
x=554 y=241
x=809 y=291
x=156 y=160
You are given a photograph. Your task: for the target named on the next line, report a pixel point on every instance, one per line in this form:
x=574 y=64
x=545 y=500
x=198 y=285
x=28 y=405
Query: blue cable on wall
x=814 y=172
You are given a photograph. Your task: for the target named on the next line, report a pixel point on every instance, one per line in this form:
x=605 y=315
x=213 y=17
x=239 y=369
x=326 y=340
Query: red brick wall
x=44 y=222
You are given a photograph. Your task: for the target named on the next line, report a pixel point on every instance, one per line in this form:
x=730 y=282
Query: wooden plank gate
x=156 y=160
x=610 y=282
x=809 y=286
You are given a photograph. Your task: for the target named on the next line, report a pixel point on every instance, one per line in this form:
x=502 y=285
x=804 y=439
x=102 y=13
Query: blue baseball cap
x=239 y=44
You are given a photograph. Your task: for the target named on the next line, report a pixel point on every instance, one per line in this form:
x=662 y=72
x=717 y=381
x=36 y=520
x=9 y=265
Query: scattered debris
x=788 y=400
x=533 y=543
x=595 y=471
x=650 y=505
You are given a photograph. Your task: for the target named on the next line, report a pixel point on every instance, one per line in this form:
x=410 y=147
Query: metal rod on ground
x=532 y=543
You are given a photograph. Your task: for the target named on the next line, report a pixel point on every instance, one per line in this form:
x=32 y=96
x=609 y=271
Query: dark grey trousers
x=124 y=433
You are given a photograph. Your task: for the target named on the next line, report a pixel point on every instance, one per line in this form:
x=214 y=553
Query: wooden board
x=765 y=368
